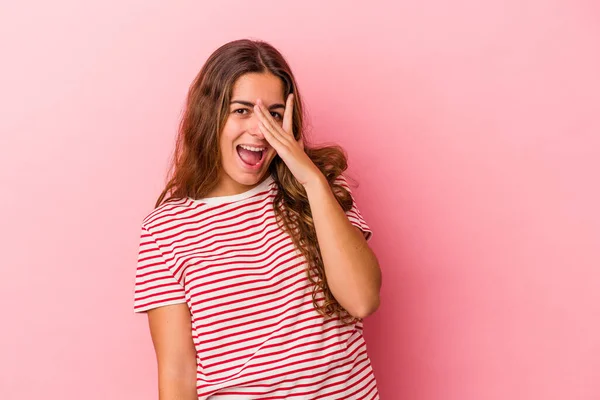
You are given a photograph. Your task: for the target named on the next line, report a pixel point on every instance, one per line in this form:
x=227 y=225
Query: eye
x=276 y=115
x=240 y=111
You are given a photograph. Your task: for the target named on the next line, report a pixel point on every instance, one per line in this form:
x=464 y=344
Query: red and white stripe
x=256 y=332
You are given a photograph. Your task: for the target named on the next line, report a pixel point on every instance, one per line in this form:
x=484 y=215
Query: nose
x=254 y=129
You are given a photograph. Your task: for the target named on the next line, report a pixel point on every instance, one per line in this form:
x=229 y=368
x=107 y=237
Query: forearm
x=351 y=267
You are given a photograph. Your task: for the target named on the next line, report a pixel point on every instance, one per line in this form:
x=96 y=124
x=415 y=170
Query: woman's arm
x=352 y=270
x=171 y=331
x=351 y=267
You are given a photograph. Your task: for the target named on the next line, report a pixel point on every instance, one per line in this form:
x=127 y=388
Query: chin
x=249 y=179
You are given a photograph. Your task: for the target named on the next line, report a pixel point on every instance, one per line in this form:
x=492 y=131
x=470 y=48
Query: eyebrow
x=249 y=104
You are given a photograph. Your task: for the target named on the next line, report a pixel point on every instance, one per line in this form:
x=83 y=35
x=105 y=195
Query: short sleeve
x=155 y=285
x=354 y=215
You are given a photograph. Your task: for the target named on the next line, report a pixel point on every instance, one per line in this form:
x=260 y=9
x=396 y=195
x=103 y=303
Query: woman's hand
x=282 y=139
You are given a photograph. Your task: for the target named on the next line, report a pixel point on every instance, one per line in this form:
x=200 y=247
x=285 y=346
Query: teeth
x=257 y=149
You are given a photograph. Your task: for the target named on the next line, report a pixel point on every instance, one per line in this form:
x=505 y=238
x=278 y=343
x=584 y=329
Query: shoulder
x=345 y=181
x=171 y=212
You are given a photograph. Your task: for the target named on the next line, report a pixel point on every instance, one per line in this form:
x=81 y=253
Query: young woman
x=254 y=268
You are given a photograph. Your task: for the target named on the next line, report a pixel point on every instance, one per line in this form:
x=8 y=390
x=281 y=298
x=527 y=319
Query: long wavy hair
x=196 y=161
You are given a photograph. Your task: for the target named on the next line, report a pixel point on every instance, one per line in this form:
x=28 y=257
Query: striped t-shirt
x=254 y=327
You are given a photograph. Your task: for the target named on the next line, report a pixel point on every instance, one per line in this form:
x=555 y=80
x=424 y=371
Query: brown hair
x=196 y=162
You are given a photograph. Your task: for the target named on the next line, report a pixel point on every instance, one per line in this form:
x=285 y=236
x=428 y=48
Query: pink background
x=473 y=128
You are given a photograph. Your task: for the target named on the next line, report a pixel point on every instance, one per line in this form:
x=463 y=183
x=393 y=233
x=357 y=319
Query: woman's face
x=245 y=153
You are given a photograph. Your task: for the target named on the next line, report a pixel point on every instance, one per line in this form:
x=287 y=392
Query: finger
x=269 y=123
x=273 y=140
x=288 y=114
x=264 y=115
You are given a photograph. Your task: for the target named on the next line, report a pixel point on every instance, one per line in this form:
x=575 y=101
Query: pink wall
x=472 y=126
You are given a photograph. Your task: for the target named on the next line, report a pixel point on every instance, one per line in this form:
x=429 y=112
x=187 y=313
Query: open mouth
x=251 y=156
